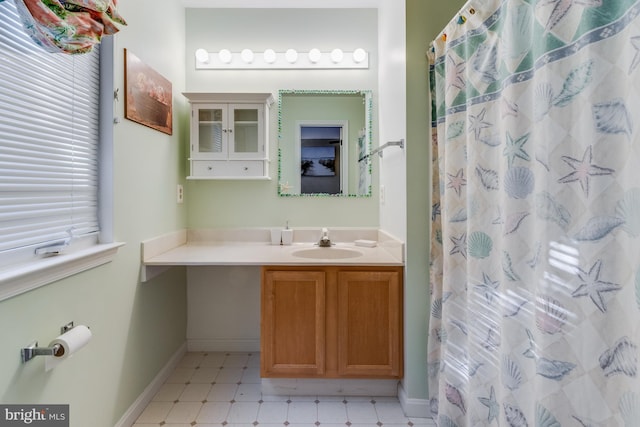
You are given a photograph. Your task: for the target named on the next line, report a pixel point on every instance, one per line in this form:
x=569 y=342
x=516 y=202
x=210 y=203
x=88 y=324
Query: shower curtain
x=535 y=258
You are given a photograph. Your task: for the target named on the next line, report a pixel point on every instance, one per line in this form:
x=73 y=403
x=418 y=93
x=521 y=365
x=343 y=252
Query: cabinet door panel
x=369 y=323
x=211 y=131
x=211 y=128
x=246 y=131
x=293 y=323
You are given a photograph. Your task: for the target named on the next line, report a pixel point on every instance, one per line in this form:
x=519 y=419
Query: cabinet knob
x=246 y=168
x=210 y=168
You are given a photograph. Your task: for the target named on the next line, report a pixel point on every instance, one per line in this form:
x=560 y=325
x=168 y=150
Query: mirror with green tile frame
x=324 y=141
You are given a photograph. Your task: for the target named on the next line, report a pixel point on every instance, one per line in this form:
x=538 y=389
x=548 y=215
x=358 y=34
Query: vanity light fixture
x=202 y=56
x=359 y=55
x=337 y=56
x=225 y=56
x=291 y=56
x=315 y=55
x=247 y=55
x=289 y=59
x=269 y=56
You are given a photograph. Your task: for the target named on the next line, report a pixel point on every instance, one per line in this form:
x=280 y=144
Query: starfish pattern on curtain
x=535 y=248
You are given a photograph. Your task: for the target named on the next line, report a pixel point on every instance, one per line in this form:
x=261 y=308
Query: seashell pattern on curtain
x=535 y=246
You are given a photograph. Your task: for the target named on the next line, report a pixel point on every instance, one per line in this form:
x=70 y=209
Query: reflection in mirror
x=324 y=140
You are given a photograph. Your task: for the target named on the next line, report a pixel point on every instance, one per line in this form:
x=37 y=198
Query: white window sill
x=26 y=277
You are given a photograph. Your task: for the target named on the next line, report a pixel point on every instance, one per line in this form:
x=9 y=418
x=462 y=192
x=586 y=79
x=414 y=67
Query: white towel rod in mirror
x=378 y=150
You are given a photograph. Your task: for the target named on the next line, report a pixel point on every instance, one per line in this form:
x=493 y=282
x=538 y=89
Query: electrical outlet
x=180 y=194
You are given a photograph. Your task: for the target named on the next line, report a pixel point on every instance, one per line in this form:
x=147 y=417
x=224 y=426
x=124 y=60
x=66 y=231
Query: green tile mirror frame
x=324 y=141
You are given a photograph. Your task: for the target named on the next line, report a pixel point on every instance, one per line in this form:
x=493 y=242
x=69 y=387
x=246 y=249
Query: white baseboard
x=227 y=345
x=136 y=408
x=415 y=408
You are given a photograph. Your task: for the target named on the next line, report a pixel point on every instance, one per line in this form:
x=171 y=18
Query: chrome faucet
x=324 y=242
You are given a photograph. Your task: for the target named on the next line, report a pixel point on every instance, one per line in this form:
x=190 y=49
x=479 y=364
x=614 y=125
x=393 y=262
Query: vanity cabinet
x=229 y=135
x=331 y=322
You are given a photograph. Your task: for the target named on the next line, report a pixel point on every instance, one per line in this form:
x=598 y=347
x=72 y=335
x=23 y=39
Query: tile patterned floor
x=223 y=389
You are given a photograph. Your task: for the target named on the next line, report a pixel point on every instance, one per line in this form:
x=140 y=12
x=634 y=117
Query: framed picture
x=148 y=97
x=318 y=161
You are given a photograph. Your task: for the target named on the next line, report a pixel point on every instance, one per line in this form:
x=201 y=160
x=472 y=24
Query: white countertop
x=225 y=253
x=252 y=247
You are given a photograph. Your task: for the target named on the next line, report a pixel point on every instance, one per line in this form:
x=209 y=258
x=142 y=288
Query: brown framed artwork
x=148 y=98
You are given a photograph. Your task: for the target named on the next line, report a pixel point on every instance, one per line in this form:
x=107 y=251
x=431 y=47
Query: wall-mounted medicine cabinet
x=229 y=135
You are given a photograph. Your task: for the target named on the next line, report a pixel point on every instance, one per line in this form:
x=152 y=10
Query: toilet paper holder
x=32 y=350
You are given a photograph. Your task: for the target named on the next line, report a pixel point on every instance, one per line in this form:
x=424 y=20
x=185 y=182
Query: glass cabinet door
x=211 y=131
x=246 y=130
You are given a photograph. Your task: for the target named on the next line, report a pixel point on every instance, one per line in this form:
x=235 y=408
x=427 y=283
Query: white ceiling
x=279 y=4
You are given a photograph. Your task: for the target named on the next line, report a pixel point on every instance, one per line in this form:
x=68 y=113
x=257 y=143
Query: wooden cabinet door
x=370 y=323
x=293 y=323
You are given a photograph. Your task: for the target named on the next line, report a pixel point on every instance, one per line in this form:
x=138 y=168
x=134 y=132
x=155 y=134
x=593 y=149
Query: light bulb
x=202 y=55
x=269 y=56
x=359 y=55
x=247 y=55
x=225 y=56
x=337 y=55
x=315 y=55
x=291 y=56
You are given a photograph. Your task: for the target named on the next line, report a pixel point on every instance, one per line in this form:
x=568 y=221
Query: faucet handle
x=324 y=239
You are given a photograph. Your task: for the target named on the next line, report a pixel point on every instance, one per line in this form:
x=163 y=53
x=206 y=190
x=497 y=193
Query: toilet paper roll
x=69 y=342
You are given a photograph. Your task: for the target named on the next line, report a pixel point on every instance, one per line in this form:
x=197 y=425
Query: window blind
x=49 y=133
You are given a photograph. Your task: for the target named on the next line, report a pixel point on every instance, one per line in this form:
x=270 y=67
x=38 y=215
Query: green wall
x=425 y=19
x=136 y=327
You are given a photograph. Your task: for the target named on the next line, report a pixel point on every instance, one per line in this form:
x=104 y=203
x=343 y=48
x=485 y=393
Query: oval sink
x=327 y=253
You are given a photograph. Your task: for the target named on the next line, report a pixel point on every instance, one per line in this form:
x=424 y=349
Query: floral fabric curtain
x=69 y=26
x=535 y=260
